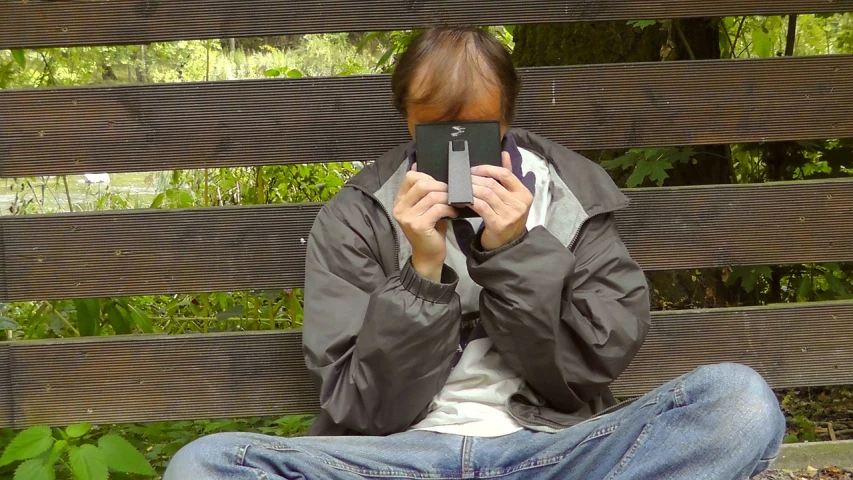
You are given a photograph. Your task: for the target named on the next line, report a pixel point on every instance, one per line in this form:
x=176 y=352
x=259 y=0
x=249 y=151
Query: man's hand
x=420 y=206
x=503 y=202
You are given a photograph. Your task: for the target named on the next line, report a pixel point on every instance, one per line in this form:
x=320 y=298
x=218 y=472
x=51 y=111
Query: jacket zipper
x=618 y=406
x=390 y=221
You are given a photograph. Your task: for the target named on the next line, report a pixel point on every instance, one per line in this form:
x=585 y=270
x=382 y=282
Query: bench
x=143 y=378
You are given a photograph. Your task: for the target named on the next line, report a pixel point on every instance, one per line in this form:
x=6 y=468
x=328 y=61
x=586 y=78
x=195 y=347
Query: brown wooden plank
x=716 y=226
x=127 y=253
x=262 y=122
x=148 y=378
x=99 y=22
x=790 y=345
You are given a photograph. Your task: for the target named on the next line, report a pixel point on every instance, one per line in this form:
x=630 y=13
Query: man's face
x=484 y=107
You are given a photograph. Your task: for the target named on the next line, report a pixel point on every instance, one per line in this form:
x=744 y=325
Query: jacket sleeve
x=378 y=346
x=569 y=322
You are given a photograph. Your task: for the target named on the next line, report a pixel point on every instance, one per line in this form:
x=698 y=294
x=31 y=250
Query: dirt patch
x=809 y=474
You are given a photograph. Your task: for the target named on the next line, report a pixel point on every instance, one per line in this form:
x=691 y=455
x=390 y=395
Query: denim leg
x=244 y=456
x=719 y=422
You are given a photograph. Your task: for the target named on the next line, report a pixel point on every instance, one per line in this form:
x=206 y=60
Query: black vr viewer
x=446 y=151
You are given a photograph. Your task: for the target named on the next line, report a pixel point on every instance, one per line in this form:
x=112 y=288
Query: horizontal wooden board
x=791 y=346
x=127 y=253
x=150 y=378
x=717 y=226
x=43 y=23
x=264 y=122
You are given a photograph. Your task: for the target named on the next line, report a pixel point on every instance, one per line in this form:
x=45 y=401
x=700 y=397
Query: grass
x=48 y=194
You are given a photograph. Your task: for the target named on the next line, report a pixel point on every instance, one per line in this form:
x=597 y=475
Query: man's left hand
x=502 y=201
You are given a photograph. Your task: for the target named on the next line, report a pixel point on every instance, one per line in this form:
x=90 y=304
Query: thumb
x=441 y=227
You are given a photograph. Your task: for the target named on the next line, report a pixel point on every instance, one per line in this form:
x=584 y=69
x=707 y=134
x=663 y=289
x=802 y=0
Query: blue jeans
x=719 y=422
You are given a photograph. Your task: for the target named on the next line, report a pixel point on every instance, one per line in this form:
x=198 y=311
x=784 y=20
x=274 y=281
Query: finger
x=437 y=212
x=485 y=211
x=428 y=201
x=492 y=184
x=493 y=199
x=502 y=175
x=506 y=160
x=414 y=167
x=415 y=187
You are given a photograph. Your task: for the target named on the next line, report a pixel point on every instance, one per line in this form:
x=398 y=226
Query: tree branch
x=739 y=31
x=792 y=36
x=684 y=40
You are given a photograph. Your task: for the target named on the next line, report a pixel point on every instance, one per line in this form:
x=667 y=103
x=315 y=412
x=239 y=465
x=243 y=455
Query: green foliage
x=88 y=463
x=649 y=164
x=30 y=443
x=642 y=24
x=20 y=59
x=278 y=72
x=748 y=276
x=121 y=456
x=78 y=451
x=78 y=430
x=34 y=469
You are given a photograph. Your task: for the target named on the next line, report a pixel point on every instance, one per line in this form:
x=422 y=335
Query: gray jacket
x=565 y=304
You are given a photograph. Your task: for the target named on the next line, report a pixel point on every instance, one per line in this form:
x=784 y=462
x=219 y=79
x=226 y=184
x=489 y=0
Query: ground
x=810 y=474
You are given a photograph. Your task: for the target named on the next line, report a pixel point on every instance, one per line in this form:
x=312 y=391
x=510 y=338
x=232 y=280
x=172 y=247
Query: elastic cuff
x=480 y=255
x=426 y=289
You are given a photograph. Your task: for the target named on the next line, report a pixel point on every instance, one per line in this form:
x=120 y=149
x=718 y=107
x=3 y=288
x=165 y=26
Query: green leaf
x=7 y=323
x=235 y=311
x=19 y=57
x=642 y=24
x=121 y=456
x=367 y=37
x=294 y=74
x=385 y=57
x=186 y=200
x=88 y=316
x=623 y=162
x=58 y=447
x=272 y=72
x=34 y=469
x=30 y=443
x=158 y=200
x=141 y=319
x=835 y=284
x=761 y=46
x=78 y=430
x=805 y=288
x=655 y=170
x=87 y=463
x=119 y=319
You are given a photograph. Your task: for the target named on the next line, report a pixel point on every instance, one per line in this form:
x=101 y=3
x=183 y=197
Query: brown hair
x=450 y=66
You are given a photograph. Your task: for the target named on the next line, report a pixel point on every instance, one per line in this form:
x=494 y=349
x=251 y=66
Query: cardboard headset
x=447 y=150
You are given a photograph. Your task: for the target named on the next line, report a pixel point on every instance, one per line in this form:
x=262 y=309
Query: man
x=484 y=348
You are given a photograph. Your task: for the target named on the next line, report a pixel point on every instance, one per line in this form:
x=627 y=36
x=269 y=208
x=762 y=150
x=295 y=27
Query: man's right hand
x=420 y=208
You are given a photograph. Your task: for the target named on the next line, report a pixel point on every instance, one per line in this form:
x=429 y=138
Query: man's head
x=455 y=74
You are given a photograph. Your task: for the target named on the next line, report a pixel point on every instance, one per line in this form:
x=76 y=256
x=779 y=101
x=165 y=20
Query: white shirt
x=473 y=401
